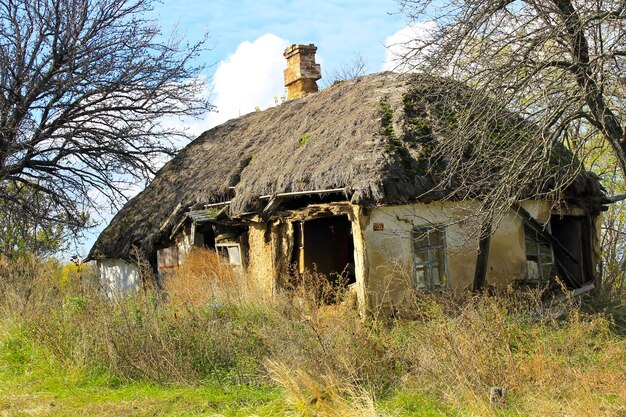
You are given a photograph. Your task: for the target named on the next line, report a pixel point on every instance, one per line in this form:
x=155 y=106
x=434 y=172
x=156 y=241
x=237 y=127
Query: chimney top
x=302 y=72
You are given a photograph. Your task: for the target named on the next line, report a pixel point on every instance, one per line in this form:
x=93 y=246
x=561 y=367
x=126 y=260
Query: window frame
x=219 y=247
x=539 y=242
x=418 y=233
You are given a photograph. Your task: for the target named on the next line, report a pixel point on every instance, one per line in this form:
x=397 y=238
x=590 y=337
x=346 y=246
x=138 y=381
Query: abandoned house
x=335 y=181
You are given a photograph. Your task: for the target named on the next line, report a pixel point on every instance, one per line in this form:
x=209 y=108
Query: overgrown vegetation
x=613 y=241
x=214 y=346
x=395 y=145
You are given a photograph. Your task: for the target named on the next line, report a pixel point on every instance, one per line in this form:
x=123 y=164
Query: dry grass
x=321 y=396
x=327 y=359
x=574 y=364
x=205 y=277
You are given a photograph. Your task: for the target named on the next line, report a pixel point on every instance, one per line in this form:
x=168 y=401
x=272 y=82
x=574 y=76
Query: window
x=231 y=252
x=539 y=258
x=429 y=259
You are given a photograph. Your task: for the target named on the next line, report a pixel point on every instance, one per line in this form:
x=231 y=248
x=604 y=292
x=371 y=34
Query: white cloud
x=399 y=46
x=251 y=77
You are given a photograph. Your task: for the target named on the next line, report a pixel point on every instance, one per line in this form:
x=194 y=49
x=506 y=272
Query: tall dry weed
x=137 y=336
x=321 y=395
x=205 y=277
x=458 y=349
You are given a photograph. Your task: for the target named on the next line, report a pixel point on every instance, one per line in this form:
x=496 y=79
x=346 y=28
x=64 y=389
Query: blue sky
x=246 y=40
x=339 y=28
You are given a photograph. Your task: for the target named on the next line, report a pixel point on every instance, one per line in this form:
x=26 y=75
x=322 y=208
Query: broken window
x=539 y=258
x=230 y=252
x=429 y=258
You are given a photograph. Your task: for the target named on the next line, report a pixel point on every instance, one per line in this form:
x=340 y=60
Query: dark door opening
x=205 y=236
x=325 y=246
x=573 y=259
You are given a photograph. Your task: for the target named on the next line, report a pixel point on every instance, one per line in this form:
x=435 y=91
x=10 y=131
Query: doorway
x=573 y=255
x=325 y=246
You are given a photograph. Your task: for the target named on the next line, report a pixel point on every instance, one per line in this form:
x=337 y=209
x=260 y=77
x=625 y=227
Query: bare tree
x=559 y=63
x=25 y=229
x=347 y=71
x=613 y=239
x=556 y=65
x=85 y=87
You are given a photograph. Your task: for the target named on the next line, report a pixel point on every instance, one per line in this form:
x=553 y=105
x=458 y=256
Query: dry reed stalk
x=204 y=277
x=322 y=395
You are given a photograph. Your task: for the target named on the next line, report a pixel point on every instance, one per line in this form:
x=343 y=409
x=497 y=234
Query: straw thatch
x=342 y=137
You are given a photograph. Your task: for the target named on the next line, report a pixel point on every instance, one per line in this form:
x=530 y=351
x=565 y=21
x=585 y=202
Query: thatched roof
x=342 y=137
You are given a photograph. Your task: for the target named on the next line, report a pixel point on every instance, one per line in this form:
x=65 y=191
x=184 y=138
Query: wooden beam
x=224 y=203
x=272 y=205
x=567 y=274
x=617 y=198
x=297 y=193
x=301 y=268
x=171 y=217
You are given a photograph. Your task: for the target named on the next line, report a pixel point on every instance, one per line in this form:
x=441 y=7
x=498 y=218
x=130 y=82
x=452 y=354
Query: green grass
x=32 y=382
x=28 y=395
x=416 y=404
x=30 y=385
x=25 y=396
x=35 y=385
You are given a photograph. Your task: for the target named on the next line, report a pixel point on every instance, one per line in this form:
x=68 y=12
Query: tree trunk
x=605 y=118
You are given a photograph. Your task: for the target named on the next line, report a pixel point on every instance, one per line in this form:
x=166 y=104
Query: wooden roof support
x=297 y=193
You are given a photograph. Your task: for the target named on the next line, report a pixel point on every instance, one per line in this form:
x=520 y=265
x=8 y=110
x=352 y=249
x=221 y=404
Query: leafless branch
x=558 y=63
x=84 y=87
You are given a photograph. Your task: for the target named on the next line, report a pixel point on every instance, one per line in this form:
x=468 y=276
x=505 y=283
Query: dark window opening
x=298 y=202
x=573 y=259
x=205 y=236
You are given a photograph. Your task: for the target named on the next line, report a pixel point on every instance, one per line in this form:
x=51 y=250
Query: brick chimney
x=302 y=71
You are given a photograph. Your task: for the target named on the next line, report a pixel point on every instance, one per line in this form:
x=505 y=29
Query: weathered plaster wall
x=361 y=267
x=262 y=270
x=389 y=257
x=507 y=253
x=185 y=244
x=117 y=276
x=283 y=235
